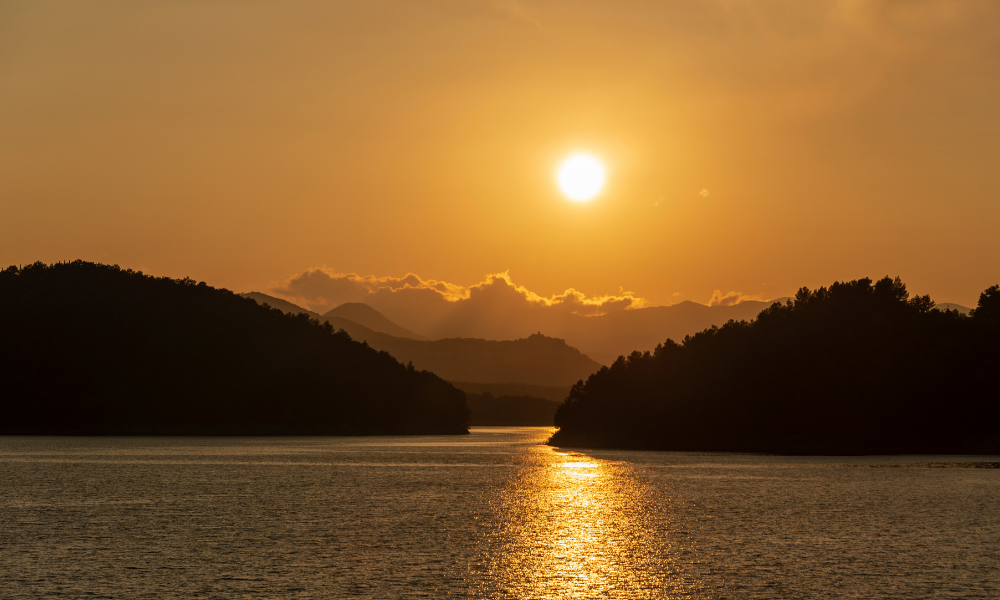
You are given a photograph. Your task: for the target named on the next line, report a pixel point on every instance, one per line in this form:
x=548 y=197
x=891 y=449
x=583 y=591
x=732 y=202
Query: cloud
x=571 y=300
x=496 y=308
x=322 y=288
x=718 y=299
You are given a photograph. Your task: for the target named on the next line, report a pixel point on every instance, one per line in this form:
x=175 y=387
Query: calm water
x=490 y=515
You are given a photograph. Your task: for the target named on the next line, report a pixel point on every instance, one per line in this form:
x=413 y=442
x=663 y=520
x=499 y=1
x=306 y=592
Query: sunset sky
x=749 y=146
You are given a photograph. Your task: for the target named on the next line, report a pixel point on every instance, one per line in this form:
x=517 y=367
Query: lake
x=494 y=514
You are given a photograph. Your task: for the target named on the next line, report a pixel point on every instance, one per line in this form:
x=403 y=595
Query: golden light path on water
x=578 y=527
x=494 y=515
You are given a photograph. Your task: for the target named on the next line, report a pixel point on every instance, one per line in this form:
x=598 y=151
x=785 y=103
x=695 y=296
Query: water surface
x=491 y=515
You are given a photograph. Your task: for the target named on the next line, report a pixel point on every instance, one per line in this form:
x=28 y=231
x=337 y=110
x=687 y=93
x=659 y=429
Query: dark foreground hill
x=95 y=349
x=857 y=368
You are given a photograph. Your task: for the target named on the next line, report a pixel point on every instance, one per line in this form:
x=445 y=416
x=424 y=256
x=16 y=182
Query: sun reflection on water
x=576 y=527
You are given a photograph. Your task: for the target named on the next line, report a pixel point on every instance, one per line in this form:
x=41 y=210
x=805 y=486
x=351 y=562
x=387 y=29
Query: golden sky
x=750 y=146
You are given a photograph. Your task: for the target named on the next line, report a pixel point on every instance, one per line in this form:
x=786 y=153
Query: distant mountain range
x=602 y=338
x=536 y=360
x=570 y=348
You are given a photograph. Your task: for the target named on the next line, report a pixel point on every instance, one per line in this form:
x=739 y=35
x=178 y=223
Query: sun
x=581 y=177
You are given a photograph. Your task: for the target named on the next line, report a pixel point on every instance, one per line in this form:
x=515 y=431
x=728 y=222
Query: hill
x=536 y=360
x=362 y=314
x=856 y=368
x=96 y=349
x=965 y=310
x=555 y=394
x=511 y=411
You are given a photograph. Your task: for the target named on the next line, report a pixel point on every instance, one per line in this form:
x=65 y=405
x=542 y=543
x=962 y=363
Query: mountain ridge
x=604 y=337
x=369 y=317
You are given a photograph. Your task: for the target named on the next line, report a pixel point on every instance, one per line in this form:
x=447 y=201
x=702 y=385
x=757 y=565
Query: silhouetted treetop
x=988 y=309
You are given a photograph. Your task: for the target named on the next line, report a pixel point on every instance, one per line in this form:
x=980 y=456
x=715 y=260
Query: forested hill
x=94 y=349
x=855 y=368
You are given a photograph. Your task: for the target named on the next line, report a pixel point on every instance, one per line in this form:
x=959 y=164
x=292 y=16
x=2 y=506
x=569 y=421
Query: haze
x=750 y=147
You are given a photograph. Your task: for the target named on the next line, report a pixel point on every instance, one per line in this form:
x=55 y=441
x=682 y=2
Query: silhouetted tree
x=988 y=309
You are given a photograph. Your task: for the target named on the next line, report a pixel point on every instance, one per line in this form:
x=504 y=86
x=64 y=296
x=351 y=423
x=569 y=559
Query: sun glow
x=581 y=177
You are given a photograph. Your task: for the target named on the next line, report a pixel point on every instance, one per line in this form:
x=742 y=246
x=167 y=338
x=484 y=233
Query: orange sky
x=242 y=143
